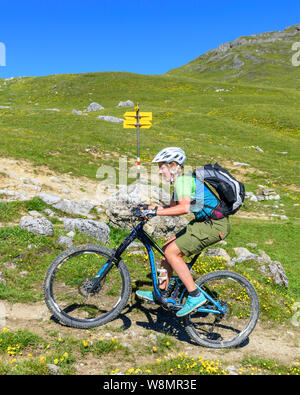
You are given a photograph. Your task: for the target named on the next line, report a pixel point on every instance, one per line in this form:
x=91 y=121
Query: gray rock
x=14 y=195
x=127 y=103
x=49 y=212
x=272 y=269
x=98 y=230
x=265 y=256
x=253 y=198
x=219 y=252
x=53 y=369
x=71 y=234
x=49 y=198
x=31 y=181
x=165 y=227
x=240 y=164
x=40 y=226
x=232 y=370
x=275 y=271
x=110 y=118
x=72 y=207
x=244 y=253
x=94 y=107
x=65 y=241
x=67 y=206
x=35 y=214
x=55 y=179
x=237 y=63
x=257 y=148
x=76 y=112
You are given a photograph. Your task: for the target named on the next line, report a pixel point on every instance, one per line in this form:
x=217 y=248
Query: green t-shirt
x=184 y=186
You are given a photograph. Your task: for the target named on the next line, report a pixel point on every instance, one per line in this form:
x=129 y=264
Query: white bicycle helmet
x=170 y=154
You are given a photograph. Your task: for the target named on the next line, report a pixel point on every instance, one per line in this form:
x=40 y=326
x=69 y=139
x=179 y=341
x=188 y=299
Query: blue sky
x=147 y=37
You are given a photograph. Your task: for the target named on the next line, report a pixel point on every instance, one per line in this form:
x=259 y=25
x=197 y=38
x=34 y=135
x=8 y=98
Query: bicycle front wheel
x=67 y=282
x=237 y=294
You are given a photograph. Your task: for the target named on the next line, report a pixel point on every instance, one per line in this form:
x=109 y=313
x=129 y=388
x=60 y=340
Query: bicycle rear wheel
x=67 y=281
x=242 y=310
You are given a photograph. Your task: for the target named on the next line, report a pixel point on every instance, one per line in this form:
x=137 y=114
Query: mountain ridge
x=261 y=58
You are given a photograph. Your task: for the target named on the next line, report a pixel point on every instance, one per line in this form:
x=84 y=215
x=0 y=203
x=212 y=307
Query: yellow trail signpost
x=137 y=120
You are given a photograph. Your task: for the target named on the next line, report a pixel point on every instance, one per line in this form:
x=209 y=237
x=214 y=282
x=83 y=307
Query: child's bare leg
x=165 y=265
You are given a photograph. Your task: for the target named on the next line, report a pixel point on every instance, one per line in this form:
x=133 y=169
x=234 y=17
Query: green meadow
x=213 y=118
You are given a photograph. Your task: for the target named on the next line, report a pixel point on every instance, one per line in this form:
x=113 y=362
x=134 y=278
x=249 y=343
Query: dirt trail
x=136 y=327
x=21 y=176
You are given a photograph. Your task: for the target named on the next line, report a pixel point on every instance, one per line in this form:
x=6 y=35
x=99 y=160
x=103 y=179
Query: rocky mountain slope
x=260 y=59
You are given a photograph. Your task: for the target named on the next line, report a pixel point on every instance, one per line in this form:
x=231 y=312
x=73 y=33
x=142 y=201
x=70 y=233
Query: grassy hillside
x=214 y=111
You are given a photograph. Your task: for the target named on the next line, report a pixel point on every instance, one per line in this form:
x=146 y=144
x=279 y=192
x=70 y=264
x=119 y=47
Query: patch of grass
x=258 y=365
x=101 y=346
x=17 y=342
x=180 y=365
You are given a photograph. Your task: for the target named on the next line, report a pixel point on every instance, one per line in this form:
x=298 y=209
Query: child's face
x=165 y=171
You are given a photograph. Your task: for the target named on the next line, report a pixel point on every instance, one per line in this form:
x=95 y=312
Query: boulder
x=94 y=107
x=165 y=227
x=110 y=118
x=65 y=241
x=40 y=226
x=127 y=103
x=244 y=253
x=272 y=269
x=98 y=230
x=219 y=252
x=118 y=210
x=275 y=271
x=66 y=205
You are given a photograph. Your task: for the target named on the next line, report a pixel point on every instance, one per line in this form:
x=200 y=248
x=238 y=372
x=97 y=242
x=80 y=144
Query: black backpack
x=231 y=191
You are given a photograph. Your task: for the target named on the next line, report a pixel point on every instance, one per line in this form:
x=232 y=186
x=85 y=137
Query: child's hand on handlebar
x=149 y=213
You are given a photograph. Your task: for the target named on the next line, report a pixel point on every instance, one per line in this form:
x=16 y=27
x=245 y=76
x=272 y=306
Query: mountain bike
x=89 y=286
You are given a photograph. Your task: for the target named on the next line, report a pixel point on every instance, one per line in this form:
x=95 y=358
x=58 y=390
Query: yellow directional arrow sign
x=134 y=119
x=132 y=124
x=143 y=116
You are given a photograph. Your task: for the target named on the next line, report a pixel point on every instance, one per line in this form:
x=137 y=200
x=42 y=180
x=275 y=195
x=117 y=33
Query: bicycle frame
x=139 y=233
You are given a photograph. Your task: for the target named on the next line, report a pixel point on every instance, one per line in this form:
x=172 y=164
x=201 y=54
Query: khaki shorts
x=197 y=235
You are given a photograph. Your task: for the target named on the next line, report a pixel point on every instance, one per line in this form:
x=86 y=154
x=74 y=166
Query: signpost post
x=138 y=120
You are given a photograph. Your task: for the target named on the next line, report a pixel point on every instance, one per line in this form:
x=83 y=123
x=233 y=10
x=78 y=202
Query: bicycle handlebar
x=145 y=214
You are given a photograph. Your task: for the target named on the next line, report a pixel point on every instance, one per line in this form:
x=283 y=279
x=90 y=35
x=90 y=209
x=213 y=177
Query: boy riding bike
x=208 y=227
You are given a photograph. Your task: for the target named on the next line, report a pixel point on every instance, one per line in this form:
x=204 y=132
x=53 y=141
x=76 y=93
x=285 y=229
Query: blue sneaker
x=147 y=295
x=192 y=303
